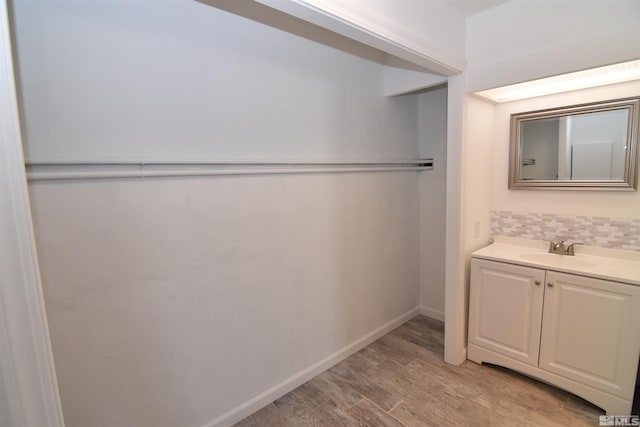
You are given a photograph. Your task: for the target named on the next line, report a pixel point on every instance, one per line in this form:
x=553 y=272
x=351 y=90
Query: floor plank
x=402 y=380
x=361 y=379
x=372 y=415
x=337 y=391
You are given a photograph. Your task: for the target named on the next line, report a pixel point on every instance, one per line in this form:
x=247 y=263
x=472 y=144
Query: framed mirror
x=583 y=147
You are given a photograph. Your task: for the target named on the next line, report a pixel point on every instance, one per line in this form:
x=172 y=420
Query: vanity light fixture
x=610 y=74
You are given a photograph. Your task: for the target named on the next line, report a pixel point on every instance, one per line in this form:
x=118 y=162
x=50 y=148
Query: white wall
x=477 y=172
x=432 y=186
x=194 y=81
x=528 y=39
x=172 y=302
x=177 y=301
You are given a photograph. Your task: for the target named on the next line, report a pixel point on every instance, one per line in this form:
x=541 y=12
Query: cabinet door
x=505 y=309
x=591 y=332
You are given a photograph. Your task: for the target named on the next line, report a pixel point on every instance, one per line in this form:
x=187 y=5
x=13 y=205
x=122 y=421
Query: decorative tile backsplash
x=590 y=230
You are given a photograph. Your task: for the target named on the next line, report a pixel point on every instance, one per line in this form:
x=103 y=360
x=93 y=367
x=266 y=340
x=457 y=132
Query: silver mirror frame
x=630 y=177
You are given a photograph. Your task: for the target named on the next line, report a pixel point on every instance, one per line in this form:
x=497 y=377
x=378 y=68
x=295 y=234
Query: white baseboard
x=263 y=399
x=431 y=312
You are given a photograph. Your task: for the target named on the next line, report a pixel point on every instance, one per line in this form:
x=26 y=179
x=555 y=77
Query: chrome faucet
x=560 y=249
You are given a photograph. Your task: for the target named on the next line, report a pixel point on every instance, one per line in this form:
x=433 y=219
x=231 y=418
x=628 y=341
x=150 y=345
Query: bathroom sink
x=563 y=261
x=603 y=263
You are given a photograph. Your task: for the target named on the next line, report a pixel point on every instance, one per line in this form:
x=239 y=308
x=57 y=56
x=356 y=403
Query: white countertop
x=610 y=264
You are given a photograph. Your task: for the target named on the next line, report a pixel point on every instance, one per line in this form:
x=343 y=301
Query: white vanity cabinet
x=579 y=333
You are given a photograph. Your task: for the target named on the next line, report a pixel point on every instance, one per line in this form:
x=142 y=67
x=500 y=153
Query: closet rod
x=70 y=170
x=199 y=162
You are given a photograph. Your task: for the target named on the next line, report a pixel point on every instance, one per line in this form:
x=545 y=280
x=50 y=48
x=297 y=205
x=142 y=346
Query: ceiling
x=471 y=7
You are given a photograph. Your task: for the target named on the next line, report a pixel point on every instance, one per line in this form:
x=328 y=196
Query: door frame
x=29 y=393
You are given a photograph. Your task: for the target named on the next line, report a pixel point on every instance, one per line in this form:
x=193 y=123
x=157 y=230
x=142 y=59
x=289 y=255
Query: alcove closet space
x=209 y=236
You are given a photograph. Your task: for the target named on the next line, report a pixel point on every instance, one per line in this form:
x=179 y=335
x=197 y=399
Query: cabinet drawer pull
x=550 y=284
x=537 y=282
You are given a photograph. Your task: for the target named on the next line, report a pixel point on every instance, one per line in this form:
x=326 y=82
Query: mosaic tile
x=617 y=233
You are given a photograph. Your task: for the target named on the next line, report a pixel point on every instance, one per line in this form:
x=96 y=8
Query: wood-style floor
x=402 y=380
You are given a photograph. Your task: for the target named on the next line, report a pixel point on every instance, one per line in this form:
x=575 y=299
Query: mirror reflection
x=585 y=146
x=592 y=145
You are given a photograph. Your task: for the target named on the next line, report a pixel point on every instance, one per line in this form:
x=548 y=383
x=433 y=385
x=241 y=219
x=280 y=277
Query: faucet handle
x=570 y=249
x=553 y=246
x=557 y=247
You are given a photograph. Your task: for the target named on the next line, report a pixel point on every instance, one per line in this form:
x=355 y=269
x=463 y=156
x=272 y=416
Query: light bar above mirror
x=610 y=74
